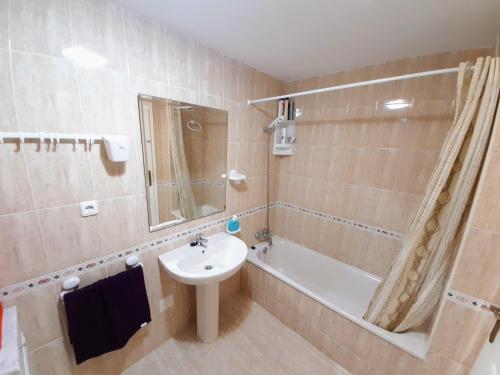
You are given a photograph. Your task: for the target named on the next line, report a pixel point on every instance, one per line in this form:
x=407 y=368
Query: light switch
x=89 y=208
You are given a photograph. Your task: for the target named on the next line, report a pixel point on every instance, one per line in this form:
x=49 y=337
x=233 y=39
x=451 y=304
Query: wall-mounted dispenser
x=117 y=147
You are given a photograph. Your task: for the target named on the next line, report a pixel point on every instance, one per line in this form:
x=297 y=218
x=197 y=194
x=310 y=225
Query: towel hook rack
x=117 y=146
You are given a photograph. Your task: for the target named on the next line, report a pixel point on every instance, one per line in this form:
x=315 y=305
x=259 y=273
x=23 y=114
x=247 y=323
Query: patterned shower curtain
x=415 y=283
x=178 y=154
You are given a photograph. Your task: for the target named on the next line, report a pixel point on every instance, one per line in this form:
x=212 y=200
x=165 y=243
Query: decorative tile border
x=15 y=290
x=210 y=182
x=341 y=220
x=467 y=301
x=195 y=182
x=452 y=295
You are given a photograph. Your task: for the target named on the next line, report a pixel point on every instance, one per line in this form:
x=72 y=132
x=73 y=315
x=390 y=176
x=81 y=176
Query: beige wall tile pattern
x=41 y=187
x=40 y=26
x=51 y=94
x=98 y=25
x=7 y=114
x=4 y=23
x=371 y=148
x=476 y=273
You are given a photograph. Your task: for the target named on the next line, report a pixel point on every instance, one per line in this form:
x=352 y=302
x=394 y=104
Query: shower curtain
x=416 y=281
x=178 y=154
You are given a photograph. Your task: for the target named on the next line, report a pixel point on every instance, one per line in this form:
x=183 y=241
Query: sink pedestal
x=207 y=311
x=206 y=266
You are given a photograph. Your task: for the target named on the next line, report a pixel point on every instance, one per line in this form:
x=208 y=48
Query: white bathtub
x=345 y=289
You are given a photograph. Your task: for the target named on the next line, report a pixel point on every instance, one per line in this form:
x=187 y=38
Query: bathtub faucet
x=265 y=235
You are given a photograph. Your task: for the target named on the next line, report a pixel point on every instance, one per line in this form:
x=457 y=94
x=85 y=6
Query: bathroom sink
x=205 y=266
x=197 y=265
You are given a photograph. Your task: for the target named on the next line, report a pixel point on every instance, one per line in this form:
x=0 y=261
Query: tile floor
x=251 y=341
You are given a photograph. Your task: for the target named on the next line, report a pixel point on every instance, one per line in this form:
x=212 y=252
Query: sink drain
x=208 y=267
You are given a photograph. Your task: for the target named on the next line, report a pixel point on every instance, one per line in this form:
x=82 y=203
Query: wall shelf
x=284 y=138
x=234 y=176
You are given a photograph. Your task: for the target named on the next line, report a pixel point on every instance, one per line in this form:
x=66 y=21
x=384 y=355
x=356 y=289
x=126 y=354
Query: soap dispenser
x=233 y=225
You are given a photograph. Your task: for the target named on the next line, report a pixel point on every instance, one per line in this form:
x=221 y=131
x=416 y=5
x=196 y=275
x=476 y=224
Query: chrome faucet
x=201 y=240
x=265 y=235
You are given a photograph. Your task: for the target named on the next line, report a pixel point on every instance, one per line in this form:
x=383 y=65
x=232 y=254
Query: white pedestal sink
x=206 y=267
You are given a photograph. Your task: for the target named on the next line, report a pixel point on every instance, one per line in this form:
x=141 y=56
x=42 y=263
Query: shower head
x=273 y=125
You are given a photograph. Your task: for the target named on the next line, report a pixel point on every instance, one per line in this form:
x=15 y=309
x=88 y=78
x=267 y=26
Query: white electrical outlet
x=166 y=303
x=89 y=208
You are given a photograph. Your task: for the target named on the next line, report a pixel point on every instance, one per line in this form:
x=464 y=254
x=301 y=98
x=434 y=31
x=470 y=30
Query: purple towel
x=103 y=316
x=89 y=327
x=127 y=303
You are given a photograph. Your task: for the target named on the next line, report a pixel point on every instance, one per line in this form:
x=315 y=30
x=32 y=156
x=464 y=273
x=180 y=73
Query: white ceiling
x=294 y=39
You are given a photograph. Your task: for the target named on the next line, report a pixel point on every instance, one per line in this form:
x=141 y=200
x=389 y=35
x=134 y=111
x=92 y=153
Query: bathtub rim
x=420 y=353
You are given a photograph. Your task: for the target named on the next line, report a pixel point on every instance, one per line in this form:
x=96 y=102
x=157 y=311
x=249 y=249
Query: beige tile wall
x=476 y=273
x=38 y=179
x=42 y=231
x=358 y=160
x=40 y=227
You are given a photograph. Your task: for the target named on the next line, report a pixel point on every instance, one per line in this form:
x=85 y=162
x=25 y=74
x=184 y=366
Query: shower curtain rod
x=358 y=84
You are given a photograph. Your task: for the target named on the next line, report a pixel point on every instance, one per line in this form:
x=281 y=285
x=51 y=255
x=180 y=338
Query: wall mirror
x=185 y=152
